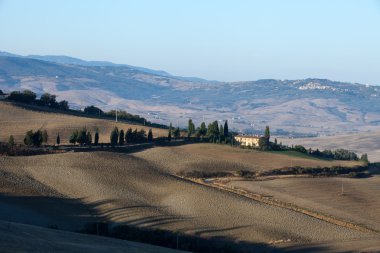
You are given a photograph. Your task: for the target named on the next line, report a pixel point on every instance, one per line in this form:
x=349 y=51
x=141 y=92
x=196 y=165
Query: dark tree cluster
x=119 y=137
x=35 y=138
x=214 y=132
x=338 y=154
x=83 y=137
x=93 y=110
x=46 y=99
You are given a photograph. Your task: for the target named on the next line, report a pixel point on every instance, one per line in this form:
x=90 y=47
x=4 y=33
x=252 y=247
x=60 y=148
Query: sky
x=214 y=39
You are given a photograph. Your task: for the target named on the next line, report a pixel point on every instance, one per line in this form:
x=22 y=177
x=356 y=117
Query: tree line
x=338 y=154
x=121 y=115
x=46 y=99
x=220 y=134
x=214 y=132
x=120 y=137
x=50 y=101
x=84 y=136
x=117 y=137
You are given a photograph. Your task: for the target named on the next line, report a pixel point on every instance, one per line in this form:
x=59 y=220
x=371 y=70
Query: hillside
x=68 y=191
x=291 y=107
x=221 y=158
x=17 y=121
x=367 y=142
x=37 y=239
x=128 y=188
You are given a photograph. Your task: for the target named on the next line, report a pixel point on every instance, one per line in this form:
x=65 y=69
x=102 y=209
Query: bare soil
x=217 y=158
x=126 y=188
x=16 y=237
x=359 y=203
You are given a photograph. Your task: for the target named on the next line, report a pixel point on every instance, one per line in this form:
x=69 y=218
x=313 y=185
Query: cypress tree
x=88 y=138
x=114 y=136
x=213 y=131
x=267 y=133
x=11 y=141
x=221 y=133
x=96 y=137
x=176 y=133
x=74 y=137
x=190 y=128
x=58 y=140
x=150 y=135
x=44 y=136
x=170 y=132
x=37 y=138
x=203 y=129
x=135 y=135
x=226 y=128
x=82 y=136
x=28 y=139
x=128 y=136
x=121 y=137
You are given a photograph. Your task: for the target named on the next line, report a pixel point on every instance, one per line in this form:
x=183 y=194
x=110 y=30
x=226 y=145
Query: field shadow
x=47 y=211
x=132 y=148
x=80 y=216
x=125 y=149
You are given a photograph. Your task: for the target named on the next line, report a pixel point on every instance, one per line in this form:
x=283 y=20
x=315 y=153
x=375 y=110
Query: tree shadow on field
x=46 y=211
x=128 y=148
x=92 y=218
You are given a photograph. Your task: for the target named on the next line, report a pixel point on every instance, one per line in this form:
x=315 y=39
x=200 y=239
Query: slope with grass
x=17 y=121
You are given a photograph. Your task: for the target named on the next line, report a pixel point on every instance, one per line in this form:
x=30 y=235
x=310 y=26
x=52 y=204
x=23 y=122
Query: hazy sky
x=220 y=40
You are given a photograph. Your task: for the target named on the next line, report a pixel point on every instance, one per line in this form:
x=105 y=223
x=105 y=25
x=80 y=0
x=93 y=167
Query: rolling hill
x=66 y=191
x=365 y=142
x=17 y=121
x=308 y=107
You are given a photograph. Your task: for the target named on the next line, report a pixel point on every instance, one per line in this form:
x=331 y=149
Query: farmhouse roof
x=248 y=136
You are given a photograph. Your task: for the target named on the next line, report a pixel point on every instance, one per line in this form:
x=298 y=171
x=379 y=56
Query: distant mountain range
x=305 y=107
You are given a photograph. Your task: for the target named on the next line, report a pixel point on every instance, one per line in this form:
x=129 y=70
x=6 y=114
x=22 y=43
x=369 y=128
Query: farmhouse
x=247 y=140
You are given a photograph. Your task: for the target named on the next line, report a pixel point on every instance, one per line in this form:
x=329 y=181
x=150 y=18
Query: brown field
x=69 y=190
x=364 y=142
x=216 y=158
x=127 y=188
x=360 y=202
x=17 y=121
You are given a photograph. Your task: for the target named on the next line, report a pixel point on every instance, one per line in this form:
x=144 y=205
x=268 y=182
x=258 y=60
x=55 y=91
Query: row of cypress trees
x=214 y=132
x=120 y=137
